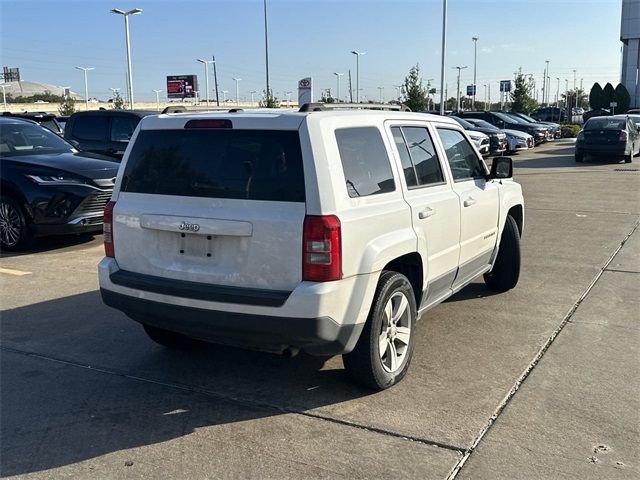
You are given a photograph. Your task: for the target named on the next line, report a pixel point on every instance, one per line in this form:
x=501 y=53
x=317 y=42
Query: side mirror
x=502 y=167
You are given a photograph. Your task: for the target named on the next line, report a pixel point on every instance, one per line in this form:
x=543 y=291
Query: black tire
x=579 y=157
x=506 y=268
x=14 y=227
x=169 y=339
x=365 y=364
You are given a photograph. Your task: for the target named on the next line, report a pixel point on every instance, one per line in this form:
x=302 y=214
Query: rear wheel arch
x=410 y=265
x=9 y=190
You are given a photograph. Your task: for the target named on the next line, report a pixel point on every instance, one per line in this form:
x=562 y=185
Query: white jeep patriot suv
x=327 y=230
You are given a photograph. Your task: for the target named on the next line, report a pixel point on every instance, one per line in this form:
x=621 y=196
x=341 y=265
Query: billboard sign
x=182 y=86
x=471 y=90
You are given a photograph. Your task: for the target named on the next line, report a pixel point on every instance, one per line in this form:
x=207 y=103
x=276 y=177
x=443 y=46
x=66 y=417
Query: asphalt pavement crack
x=234 y=399
x=536 y=359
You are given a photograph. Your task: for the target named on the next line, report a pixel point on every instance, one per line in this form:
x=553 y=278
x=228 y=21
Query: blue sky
x=46 y=39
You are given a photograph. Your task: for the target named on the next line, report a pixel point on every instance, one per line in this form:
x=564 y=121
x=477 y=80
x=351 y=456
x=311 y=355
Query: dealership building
x=630 y=38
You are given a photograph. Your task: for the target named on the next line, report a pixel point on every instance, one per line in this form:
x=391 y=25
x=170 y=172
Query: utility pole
x=215 y=79
x=485 y=96
x=380 y=89
x=458 y=89
x=398 y=87
x=224 y=96
x=338 y=75
x=489 y=89
x=252 y=97
x=350 y=88
x=444 y=52
x=475 y=57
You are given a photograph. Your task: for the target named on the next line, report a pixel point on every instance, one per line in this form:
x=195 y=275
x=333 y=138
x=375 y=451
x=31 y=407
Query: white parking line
x=10 y=271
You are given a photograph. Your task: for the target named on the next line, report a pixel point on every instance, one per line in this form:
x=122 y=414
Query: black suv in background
x=45 y=119
x=500 y=120
x=106 y=132
x=549 y=114
x=497 y=138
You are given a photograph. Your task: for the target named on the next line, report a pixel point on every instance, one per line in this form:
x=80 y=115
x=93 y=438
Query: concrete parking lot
x=539 y=382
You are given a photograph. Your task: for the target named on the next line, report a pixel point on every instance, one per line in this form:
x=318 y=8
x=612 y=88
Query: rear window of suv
x=236 y=164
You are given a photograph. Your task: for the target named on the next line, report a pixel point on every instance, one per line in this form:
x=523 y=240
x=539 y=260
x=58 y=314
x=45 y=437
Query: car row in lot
x=48 y=187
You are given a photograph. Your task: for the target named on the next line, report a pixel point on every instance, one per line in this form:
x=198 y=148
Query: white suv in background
x=328 y=230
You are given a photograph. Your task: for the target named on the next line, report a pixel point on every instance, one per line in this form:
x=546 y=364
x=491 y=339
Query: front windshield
x=505 y=118
x=18 y=138
x=527 y=118
x=514 y=118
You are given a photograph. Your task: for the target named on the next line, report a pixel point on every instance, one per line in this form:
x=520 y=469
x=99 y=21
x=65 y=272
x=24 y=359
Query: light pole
x=381 y=89
x=157 y=92
x=253 y=92
x=475 y=58
x=237 y=80
x=458 y=89
x=444 y=52
x=4 y=94
x=288 y=94
x=338 y=75
x=485 y=96
x=224 y=96
x=398 y=87
x=545 y=90
x=358 y=54
x=86 y=86
x=266 y=51
x=429 y=80
x=206 y=74
x=558 y=92
x=113 y=93
x=135 y=11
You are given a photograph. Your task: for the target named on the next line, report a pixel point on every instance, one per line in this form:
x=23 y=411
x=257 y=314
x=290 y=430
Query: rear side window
x=122 y=128
x=423 y=155
x=237 y=164
x=90 y=127
x=366 y=166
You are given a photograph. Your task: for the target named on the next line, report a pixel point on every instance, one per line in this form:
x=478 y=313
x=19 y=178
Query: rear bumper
x=316 y=336
x=613 y=149
x=319 y=318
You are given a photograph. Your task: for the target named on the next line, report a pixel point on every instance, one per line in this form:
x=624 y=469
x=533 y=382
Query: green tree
x=596 y=97
x=521 y=101
x=607 y=95
x=118 y=102
x=67 y=106
x=622 y=98
x=414 y=95
x=270 y=101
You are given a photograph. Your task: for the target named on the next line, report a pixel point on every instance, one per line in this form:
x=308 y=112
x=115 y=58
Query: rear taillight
x=623 y=136
x=107 y=229
x=321 y=248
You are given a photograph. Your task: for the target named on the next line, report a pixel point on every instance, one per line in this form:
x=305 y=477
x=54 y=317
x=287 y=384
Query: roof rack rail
x=319 y=107
x=174 y=109
x=236 y=110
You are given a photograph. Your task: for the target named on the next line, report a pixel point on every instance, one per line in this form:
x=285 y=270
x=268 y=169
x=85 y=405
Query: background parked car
x=599 y=112
x=45 y=119
x=554 y=128
x=62 y=121
x=497 y=138
x=48 y=187
x=550 y=114
x=106 y=132
x=516 y=140
x=609 y=136
x=500 y=120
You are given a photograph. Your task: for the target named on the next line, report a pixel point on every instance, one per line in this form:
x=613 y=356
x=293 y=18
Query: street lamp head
x=475 y=39
x=135 y=11
x=358 y=53
x=118 y=11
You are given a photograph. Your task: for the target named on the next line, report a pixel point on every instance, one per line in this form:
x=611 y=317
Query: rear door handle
x=469 y=201
x=426 y=213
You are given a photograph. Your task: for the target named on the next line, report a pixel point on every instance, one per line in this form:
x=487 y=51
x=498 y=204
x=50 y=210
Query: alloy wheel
x=393 y=340
x=10 y=225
